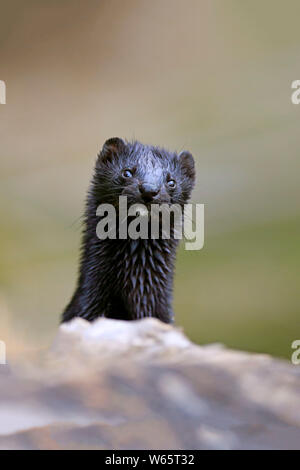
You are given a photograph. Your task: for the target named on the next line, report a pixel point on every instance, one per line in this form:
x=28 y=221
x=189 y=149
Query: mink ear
x=111 y=147
x=187 y=164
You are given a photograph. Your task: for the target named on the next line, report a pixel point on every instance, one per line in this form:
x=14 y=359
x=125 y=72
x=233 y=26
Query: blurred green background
x=211 y=76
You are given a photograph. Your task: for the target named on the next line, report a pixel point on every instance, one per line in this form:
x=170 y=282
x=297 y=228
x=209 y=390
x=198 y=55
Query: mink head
x=145 y=174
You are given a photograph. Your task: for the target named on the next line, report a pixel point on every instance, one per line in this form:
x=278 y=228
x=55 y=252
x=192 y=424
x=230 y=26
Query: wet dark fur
x=129 y=279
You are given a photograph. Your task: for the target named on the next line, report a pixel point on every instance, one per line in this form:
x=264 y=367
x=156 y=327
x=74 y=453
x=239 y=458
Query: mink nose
x=148 y=191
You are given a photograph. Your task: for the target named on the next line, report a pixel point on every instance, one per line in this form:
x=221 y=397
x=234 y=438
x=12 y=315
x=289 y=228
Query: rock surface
x=144 y=385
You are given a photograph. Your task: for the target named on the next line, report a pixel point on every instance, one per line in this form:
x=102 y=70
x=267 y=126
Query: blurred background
x=210 y=76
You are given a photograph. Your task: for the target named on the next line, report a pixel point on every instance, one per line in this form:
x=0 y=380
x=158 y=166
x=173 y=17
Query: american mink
x=130 y=279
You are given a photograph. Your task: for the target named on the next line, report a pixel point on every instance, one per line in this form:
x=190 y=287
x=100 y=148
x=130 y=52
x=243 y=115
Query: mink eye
x=127 y=173
x=171 y=184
